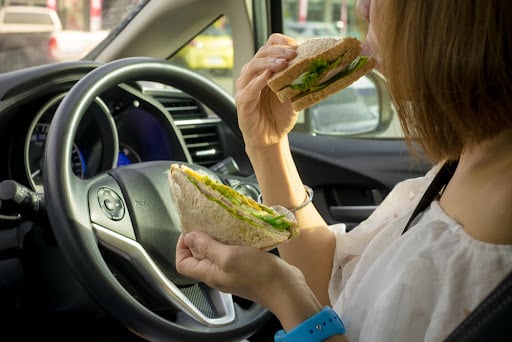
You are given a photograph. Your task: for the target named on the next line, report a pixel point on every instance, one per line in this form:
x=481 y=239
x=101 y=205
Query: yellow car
x=212 y=50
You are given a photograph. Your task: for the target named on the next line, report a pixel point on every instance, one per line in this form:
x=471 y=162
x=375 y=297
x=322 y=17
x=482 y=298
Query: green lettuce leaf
x=307 y=82
x=246 y=204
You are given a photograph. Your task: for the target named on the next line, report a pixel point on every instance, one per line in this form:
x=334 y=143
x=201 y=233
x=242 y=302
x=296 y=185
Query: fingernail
x=290 y=52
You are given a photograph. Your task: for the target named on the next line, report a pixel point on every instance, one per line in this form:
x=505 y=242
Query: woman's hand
x=263 y=119
x=250 y=273
x=247 y=272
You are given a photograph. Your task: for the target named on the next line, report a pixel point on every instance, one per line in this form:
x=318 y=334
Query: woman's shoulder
x=438 y=270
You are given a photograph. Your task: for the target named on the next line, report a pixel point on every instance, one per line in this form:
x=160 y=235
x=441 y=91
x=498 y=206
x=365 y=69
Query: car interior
x=87 y=226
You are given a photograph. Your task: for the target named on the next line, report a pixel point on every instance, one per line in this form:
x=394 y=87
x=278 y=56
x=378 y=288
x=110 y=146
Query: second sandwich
x=323 y=66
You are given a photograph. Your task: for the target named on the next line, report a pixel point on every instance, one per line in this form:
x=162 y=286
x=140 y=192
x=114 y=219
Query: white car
x=25 y=33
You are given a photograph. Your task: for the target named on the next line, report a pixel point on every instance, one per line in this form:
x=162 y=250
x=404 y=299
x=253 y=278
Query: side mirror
x=364 y=108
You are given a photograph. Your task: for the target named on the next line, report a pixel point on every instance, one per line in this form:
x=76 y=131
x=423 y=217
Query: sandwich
x=206 y=205
x=323 y=66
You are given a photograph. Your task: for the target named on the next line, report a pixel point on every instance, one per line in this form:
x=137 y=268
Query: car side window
x=363 y=109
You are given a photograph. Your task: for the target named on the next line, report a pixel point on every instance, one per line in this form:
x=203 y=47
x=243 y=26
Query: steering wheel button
x=110 y=203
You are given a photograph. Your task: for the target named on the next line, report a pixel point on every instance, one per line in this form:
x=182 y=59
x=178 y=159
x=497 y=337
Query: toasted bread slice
x=301 y=102
x=220 y=219
x=341 y=52
x=328 y=48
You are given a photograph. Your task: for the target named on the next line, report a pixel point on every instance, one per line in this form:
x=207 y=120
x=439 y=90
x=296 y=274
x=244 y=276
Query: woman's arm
x=312 y=251
x=265 y=123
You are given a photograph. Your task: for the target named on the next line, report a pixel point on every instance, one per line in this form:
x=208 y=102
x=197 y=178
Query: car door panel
x=352 y=176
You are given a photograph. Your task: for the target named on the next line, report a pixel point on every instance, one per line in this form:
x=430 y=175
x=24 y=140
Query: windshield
x=48 y=31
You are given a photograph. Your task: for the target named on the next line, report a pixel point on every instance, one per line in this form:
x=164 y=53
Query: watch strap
x=318 y=327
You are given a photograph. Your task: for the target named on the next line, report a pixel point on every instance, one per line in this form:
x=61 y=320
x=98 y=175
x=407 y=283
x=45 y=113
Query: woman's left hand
x=247 y=272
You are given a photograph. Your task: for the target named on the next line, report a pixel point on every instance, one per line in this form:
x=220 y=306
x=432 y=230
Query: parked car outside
x=72 y=45
x=25 y=32
x=211 y=50
x=34 y=35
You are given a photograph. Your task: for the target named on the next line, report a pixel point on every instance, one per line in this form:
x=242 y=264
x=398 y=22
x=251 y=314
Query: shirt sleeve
x=350 y=245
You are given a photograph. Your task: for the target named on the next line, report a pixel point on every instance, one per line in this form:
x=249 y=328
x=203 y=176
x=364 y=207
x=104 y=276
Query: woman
x=453 y=92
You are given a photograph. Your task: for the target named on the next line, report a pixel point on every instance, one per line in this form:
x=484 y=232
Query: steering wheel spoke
x=212 y=307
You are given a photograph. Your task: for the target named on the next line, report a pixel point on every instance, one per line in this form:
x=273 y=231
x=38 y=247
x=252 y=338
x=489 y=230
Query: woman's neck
x=494 y=153
x=479 y=195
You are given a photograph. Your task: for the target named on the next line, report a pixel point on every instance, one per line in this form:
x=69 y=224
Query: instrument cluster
x=120 y=128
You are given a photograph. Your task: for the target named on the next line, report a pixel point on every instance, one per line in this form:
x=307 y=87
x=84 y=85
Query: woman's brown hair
x=449 y=70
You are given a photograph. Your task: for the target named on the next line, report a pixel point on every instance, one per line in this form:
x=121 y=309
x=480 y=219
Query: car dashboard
x=127 y=124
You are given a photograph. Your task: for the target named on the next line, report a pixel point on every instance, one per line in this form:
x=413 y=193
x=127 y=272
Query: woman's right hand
x=263 y=119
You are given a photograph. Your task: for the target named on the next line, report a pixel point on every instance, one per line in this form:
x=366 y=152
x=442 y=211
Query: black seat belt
x=440 y=180
x=492 y=318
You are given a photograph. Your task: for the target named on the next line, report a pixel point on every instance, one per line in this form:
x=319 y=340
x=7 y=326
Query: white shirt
x=415 y=287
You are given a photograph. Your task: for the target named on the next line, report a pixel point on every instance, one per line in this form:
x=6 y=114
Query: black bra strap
x=438 y=183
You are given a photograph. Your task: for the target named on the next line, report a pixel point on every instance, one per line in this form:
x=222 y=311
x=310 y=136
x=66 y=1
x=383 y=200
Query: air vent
x=183 y=108
x=202 y=140
x=200 y=131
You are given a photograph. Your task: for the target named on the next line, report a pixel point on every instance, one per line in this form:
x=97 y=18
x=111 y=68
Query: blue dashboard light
x=84 y=165
x=123 y=160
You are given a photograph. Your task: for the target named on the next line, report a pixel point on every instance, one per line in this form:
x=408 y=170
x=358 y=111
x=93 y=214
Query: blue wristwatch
x=318 y=327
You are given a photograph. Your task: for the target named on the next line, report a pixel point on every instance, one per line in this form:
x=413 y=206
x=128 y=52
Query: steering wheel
x=129 y=212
